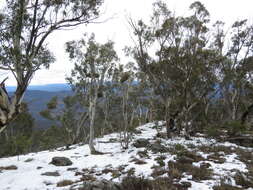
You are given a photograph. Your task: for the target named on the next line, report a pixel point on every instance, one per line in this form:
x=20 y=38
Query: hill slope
x=46 y=87
x=37 y=97
x=199 y=163
x=37 y=101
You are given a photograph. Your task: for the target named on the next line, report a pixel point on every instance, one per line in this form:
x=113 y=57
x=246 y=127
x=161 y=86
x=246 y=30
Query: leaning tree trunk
x=246 y=113
x=10 y=107
x=80 y=123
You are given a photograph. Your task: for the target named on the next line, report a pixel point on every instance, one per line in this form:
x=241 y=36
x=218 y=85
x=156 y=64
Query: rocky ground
x=151 y=162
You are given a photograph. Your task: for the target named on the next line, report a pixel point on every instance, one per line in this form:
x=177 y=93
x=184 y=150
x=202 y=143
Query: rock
x=216 y=158
x=87 y=178
x=101 y=185
x=205 y=165
x=29 y=160
x=161 y=135
x=143 y=154
x=140 y=143
x=158 y=172
x=72 y=169
x=61 y=161
x=185 y=159
x=64 y=183
x=54 y=174
x=11 y=167
x=136 y=131
x=186 y=184
x=156 y=147
x=47 y=183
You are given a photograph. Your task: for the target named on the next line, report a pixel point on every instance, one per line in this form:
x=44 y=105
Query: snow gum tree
x=236 y=70
x=70 y=118
x=94 y=64
x=181 y=68
x=24 y=27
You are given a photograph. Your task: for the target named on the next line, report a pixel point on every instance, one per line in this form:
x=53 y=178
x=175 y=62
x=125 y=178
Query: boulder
x=185 y=159
x=61 y=161
x=101 y=185
x=157 y=147
x=140 y=143
x=11 y=167
x=186 y=184
x=54 y=174
x=205 y=165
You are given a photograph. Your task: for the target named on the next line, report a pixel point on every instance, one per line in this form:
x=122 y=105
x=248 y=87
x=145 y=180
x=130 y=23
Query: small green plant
x=212 y=131
x=160 y=160
x=179 y=147
x=235 y=128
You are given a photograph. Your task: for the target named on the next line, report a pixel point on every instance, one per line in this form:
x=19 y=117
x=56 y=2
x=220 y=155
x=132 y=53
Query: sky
x=116 y=29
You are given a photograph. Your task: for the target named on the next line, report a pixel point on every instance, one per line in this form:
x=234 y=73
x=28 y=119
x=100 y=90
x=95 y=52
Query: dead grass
x=245 y=156
x=216 y=157
x=64 y=183
x=160 y=160
x=114 y=172
x=138 y=161
x=129 y=172
x=11 y=167
x=158 y=172
x=226 y=187
x=243 y=180
x=198 y=173
x=175 y=173
x=214 y=149
x=88 y=178
x=134 y=183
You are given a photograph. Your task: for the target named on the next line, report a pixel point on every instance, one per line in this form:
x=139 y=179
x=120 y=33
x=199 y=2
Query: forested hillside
x=37 y=101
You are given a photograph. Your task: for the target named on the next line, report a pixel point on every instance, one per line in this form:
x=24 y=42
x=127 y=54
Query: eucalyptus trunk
x=92 y=114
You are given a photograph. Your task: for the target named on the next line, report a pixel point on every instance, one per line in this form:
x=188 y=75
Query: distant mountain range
x=37 y=101
x=47 y=87
x=37 y=97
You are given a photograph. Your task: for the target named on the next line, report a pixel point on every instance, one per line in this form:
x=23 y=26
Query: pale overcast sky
x=117 y=29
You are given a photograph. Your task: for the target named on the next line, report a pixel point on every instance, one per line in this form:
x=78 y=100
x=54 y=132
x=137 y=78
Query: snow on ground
x=28 y=175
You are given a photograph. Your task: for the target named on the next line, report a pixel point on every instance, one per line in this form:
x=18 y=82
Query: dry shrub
x=134 y=183
x=242 y=180
x=216 y=158
x=64 y=183
x=11 y=167
x=158 y=172
x=196 y=172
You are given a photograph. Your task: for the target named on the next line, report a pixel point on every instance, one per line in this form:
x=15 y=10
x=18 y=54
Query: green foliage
x=46 y=114
x=52 y=104
x=19 y=144
x=18 y=138
x=213 y=131
x=67 y=119
x=24 y=29
x=179 y=148
x=235 y=128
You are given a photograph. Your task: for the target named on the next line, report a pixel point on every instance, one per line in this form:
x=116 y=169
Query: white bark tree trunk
x=92 y=114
